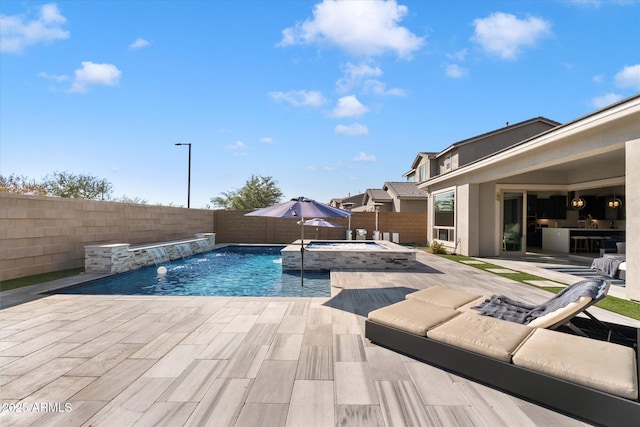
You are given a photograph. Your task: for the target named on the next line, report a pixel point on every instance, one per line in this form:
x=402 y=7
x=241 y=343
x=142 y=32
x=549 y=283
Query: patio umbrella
x=302 y=208
x=319 y=222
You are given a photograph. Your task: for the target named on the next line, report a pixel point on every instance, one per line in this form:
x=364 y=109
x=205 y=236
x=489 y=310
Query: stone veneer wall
x=394 y=257
x=121 y=257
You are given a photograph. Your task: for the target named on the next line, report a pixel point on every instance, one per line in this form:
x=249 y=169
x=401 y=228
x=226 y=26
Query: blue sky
x=329 y=98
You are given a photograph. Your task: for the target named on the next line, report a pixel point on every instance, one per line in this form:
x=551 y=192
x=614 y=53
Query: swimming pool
x=229 y=271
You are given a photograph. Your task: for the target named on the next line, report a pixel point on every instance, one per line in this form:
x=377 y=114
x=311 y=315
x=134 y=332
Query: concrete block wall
x=235 y=227
x=45 y=234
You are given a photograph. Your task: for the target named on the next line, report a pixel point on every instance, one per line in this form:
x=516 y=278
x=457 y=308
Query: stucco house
x=428 y=164
x=395 y=197
x=541 y=190
x=350 y=202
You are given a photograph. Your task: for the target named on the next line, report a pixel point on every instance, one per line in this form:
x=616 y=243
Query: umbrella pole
x=302 y=253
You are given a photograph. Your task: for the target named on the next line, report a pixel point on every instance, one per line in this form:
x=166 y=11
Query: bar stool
x=596 y=243
x=580 y=243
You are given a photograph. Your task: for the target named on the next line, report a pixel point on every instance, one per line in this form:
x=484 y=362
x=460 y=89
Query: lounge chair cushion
x=482 y=334
x=561 y=314
x=412 y=315
x=505 y=308
x=474 y=303
x=598 y=364
x=444 y=297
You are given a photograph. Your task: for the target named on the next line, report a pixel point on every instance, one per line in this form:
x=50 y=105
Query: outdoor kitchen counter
x=559 y=239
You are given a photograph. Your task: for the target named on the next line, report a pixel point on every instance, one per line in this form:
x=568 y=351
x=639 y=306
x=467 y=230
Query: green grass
x=617 y=305
x=39 y=278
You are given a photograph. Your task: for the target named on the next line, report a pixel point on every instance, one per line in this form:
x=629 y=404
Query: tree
x=258 y=192
x=65 y=184
x=21 y=185
x=127 y=199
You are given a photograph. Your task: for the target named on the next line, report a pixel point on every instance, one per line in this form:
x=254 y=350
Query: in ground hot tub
x=344 y=254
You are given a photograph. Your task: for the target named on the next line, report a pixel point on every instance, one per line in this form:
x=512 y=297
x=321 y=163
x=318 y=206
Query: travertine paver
x=151 y=361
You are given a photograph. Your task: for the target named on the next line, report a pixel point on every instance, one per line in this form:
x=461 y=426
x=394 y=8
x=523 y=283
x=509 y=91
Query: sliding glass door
x=513 y=222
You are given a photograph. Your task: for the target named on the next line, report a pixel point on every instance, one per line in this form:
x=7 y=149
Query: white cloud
x=354 y=129
x=458 y=56
x=311 y=168
x=364 y=157
x=628 y=77
x=349 y=106
x=355 y=75
x=300 y=98
x=597 y=79
x=504 y=35
x=605 y=100
x=330 y=168
x=92 y=74
x=238 y=145
x=238 y=148
x=266 y=140
x=456 y=72
x=16 y=33
x=377 y=87
x=359 y=27
x=139 y=43
x=54 y=77
x=359 y=76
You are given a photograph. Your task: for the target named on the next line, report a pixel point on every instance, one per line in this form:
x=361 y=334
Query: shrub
x=437 y=248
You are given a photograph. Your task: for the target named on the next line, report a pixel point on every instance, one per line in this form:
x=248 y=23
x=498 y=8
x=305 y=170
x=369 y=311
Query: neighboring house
x=421 y=168
x=374 y=197
x=395 y=197
x=524 y=194
x=349 y=202
x=406 y=196
x=428 y=165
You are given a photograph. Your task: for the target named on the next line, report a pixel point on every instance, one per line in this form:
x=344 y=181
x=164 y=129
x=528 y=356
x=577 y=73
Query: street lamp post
x=189 y=176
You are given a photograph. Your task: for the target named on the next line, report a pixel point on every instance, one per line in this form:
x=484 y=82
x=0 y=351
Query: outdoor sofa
x=612 y=263
x=593 y=378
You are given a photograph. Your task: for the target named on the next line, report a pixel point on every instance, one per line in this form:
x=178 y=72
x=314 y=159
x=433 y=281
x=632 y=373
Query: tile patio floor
x=221 y=361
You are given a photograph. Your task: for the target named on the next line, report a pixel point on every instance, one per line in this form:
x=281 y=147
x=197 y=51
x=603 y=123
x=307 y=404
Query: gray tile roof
x=378 y=195
x=405 y=190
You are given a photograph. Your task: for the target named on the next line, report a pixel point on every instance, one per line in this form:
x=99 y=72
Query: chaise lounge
x=591 y=379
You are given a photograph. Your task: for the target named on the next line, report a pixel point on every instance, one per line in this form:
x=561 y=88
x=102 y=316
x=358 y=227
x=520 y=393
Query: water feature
x=158 y=254
x=184 y=249
x=203 y=245
x=121 y=257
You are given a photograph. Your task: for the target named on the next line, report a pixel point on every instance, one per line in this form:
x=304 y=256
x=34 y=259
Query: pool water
x=230 y=271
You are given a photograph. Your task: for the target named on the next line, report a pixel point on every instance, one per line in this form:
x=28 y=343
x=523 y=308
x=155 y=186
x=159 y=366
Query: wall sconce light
x=578 y=203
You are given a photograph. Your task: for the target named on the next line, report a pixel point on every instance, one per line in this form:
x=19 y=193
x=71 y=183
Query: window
x=444 y=216
x=447 y=162
x=422 y=173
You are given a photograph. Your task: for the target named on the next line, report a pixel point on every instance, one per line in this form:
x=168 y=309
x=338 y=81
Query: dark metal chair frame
x=578 y=401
